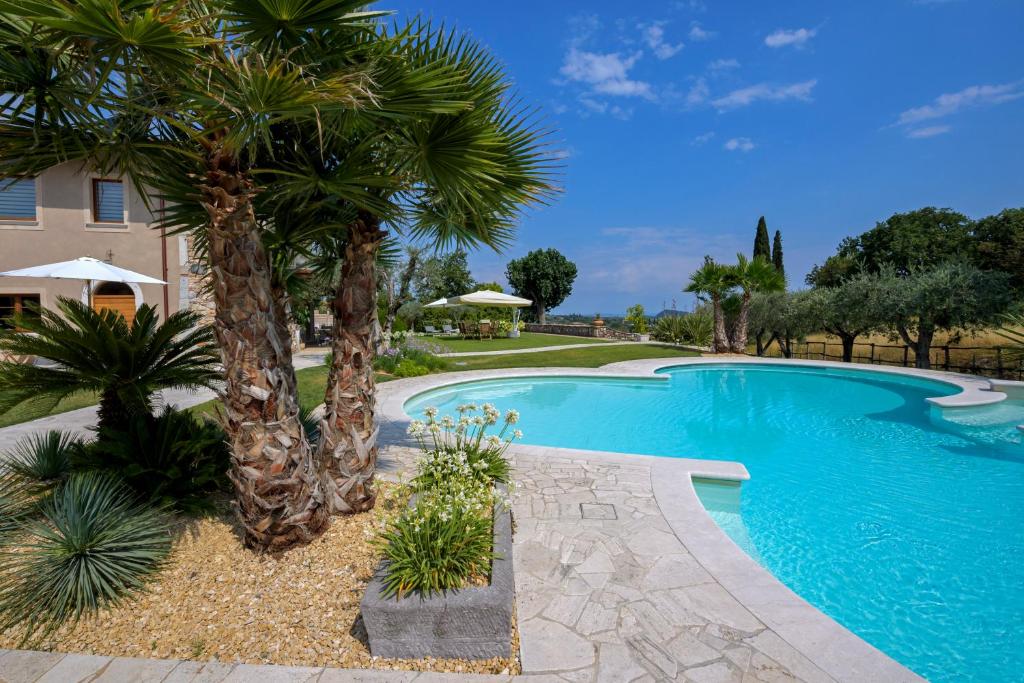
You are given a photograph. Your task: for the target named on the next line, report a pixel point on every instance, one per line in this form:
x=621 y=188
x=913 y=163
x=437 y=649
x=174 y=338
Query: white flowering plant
x=445 y=540
x=447 y=439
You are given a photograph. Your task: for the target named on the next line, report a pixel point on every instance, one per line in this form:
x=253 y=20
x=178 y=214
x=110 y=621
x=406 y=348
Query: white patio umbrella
x=440 y=303
x=487 y=299
x=84 y=268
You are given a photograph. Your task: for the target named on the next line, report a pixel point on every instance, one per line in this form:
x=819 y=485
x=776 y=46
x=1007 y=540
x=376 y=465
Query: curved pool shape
x=905 y=528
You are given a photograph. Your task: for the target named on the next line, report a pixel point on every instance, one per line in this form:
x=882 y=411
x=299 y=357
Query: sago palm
x=712 y=281
x=195 y=101
x=99 y=351
x=751 y=275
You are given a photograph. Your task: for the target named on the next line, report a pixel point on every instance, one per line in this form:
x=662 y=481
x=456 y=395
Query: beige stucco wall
x=64 y=231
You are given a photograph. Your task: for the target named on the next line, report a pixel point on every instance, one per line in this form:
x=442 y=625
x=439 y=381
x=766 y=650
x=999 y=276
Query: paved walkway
x=83 y=419
x=541 y=349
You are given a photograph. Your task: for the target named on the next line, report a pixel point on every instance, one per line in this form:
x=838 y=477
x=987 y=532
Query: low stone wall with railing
x=582 y=331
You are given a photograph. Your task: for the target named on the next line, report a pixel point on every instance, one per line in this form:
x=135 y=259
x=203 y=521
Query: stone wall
x=582 y=331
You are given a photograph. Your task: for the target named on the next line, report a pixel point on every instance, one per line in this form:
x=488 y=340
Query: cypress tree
x=777 y=253
x=761 y=245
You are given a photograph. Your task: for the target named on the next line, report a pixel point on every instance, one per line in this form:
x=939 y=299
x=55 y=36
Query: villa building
x=67 y=212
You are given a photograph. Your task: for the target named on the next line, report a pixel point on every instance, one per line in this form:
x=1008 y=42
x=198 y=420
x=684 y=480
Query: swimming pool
x=906 y=529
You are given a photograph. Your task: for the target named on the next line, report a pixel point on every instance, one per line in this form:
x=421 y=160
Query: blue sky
x=682 y=121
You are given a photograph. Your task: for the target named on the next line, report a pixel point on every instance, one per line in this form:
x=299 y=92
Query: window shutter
x=18 y=200
x=108 y=201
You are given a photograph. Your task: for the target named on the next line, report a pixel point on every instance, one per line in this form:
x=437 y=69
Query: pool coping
x=832 y=647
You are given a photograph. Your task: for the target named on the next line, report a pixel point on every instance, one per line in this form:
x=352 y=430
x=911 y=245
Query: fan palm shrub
x=88 y=548
x=99 y=351
x=749 y=276
x=173 y=459
x=712 y=282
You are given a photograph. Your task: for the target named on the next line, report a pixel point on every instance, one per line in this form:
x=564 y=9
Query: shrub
x=441 y=543
x=172 y=459
x=445 y=541
x=695 y=328
x=410 y=368
x=89 y=547
x=42 y=458
x=466 y=437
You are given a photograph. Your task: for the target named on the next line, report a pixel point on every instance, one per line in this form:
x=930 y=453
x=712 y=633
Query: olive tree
x=544 y=276
x=951 y=297
x=848 y=310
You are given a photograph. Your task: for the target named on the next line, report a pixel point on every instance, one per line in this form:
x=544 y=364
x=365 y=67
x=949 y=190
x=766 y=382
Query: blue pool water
x=908 y=530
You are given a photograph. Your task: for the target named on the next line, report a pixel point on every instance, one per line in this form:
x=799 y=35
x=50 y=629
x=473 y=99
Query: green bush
x=410 y=368
x=42 y=458
x=441 y=543
x=88 y=548
x=694 y=329
x=173 y=459
x=445 y=541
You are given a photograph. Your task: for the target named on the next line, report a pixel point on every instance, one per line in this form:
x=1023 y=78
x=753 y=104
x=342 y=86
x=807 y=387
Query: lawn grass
x=24 y=414
x=313 y=381
x=526 y=340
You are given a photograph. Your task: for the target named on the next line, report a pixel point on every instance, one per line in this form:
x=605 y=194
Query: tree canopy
x=545 y=276
x=999 y=244
x=762 y=245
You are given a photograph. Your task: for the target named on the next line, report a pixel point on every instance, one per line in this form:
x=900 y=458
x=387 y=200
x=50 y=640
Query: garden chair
x=448 y=330
x=431 y=330
x=486 y=328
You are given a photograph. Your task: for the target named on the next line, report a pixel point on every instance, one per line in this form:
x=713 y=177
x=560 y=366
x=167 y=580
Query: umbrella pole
x=88 y=283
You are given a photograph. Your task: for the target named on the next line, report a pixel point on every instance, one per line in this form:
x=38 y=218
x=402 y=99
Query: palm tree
x=440 y=177
x=196 y=101
x=712 y=281
x=100 y=352
x=756 y=275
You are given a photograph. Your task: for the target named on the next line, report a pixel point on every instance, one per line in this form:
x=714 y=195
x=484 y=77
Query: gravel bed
x=216 y=600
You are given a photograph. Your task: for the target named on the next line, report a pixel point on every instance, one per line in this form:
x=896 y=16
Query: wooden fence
x=989 y=361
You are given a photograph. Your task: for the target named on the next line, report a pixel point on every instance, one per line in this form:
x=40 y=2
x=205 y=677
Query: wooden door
x=122 y=303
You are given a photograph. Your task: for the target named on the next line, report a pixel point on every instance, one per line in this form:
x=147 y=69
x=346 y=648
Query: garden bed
x=471 y=623
x=217 y=600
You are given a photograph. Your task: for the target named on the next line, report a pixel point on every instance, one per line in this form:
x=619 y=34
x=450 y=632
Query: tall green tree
x=999 y=244
x=950 y=297
x=443 y=276
x=544 y=276
x=777 y=259
x=762 y=243
x=712 y=282
x=913 y=240
x=850 y=309
x=200 y=102
x=749 y=276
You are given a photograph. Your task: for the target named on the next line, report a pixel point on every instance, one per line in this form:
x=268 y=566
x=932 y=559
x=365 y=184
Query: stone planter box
x=472 y=623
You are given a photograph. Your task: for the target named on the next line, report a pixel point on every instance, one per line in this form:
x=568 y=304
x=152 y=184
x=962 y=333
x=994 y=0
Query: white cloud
x=649 y=260
x=723 y=65
x=973 y=96
x=698 y=33
x=928 y=131
x=698 y=93
x=739 y=144
x=703 y=138
x=766 y=91
x=795 y=37
x=607 y=74
x=654 y=37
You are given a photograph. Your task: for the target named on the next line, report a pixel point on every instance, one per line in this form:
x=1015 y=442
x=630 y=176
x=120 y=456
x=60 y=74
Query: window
x=10 y=304
x=18 y=200
x=107 y=201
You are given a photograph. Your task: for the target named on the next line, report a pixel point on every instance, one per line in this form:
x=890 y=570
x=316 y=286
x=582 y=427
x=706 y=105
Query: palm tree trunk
x=720 y=341
x=277 y=484
x=738 y=341
x=348 y=433
x=112 y=412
